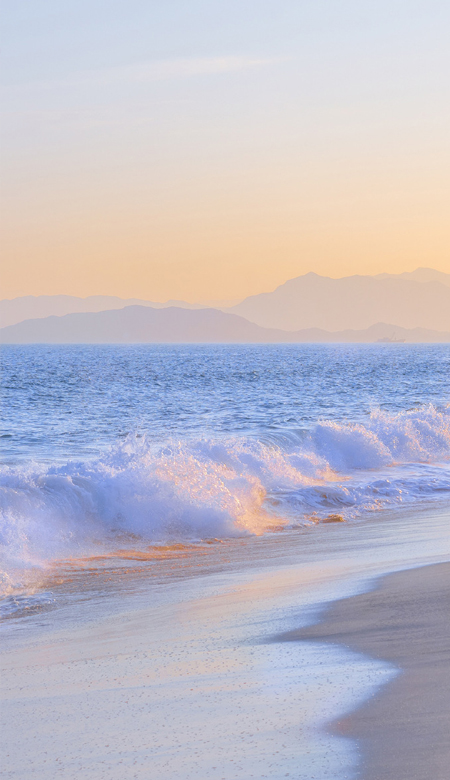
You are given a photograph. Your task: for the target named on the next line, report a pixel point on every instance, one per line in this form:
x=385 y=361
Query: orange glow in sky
x=166 y=151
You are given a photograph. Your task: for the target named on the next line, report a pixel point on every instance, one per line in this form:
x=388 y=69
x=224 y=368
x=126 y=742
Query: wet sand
x=404 y=730
x=171 y=675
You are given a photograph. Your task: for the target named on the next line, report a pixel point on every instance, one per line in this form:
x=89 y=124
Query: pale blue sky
x=214 y=149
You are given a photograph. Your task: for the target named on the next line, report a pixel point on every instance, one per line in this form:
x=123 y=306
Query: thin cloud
x=156 y=70
x=184 y=68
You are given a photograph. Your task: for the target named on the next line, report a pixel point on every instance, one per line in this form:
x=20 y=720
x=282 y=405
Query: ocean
x=109 y=447
x=167 y=512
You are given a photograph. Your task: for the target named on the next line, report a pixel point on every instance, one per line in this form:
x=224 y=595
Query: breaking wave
x=197 y=489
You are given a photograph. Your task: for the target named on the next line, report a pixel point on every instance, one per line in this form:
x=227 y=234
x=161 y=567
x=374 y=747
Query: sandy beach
x=174 y=672
x=404 y=730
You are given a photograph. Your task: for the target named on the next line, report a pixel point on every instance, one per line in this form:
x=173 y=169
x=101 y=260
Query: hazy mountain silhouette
x=135 y=324
x=420 y=298
x=419 y=275
x=36 y=307
x=142 y=324
x=381 y=331
x=353 y=302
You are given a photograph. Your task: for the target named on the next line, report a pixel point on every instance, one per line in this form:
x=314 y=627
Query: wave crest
x=200 y=489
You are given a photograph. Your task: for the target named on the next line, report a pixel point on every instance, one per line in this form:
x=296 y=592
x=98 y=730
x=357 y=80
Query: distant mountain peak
x=420 y=274
x=409 y=300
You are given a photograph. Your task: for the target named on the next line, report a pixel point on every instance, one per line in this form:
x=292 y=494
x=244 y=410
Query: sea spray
x=203 y=488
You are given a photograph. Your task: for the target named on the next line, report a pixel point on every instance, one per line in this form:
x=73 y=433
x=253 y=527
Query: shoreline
x=403 y=731
x=178 y=676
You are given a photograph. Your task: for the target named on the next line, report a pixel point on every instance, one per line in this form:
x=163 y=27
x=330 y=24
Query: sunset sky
x=207 y=150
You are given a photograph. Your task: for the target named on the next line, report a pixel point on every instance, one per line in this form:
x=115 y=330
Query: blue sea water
x=160 y=444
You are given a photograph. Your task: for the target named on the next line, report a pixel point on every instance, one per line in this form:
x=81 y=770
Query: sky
x=208 y=150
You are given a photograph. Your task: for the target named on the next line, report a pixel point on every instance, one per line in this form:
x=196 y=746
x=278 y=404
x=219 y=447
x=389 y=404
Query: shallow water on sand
x=179 y=672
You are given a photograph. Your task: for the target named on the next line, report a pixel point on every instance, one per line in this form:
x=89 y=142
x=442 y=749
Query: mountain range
x=30 y=307
x=413 y=306
x=142 y=324
x=353 y=302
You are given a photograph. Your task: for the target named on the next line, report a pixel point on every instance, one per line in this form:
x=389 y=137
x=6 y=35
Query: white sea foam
x=196 y=489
